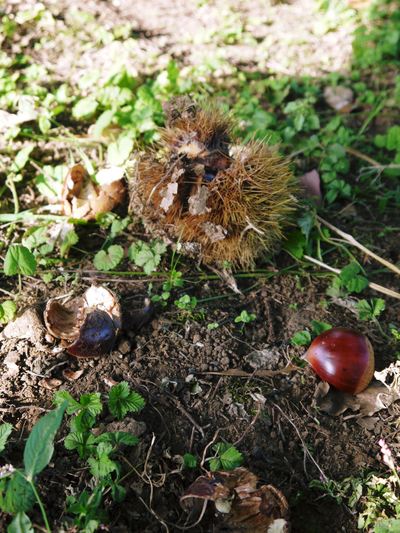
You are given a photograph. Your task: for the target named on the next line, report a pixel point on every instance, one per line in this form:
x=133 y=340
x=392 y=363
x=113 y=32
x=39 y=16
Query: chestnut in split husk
x=221 y=199
x=344 y=358
x=88 y=325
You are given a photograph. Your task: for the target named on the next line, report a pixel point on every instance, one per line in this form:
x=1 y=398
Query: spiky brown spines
x=232 y=201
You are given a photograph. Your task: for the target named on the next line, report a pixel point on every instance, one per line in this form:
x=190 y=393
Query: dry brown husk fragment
x=201 y=187
x=82 y=198
x=245 y=507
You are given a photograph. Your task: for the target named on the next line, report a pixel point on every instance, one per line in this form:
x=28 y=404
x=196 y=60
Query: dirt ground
x=287 y=441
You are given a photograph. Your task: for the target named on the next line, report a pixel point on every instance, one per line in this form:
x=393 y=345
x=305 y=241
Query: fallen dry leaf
x=368 y=422
x=72 y=375
x=339 y=98
x=368 y=402
x=50 y=383
x=227 y=277
x=245 y=507
x=311 y=184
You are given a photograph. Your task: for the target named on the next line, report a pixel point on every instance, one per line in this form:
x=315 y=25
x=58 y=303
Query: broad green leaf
x=83 y=443
x=351 y=278
x=189 y=460
x=83 y=421
x=19 y=260
x=8 y=310
x=5 y=431
x=64 y=396
x=50 y=182
x=102 y=465
x=306 y=223
x=69 y=240
x=20 y=524
x=228 y=457
x=215 y=464
x=121 y=400
x=231 y=458
x=117 y=438
x=320 y=327
x=108 y=260
x=392 y=525
x=147 y=255
x=393 y=138
x=119 y=151
x=295 y=244
x=39 y=447
x=378 y=305
x=91 y=402
x=44 y=124
x=18 y=495
x=85 y=108
x=102 y=122
x=369 y=310
x=21 y=159
x=301 y=338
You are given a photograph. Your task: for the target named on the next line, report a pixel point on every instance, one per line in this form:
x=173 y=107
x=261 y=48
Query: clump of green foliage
x=100 y=450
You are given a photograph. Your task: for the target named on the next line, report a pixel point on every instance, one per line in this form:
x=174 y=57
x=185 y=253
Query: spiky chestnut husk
x=200 y=186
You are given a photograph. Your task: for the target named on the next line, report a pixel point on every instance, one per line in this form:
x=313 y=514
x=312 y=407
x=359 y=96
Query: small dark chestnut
x=96 y=336
x=344 y=358
x=88 y=325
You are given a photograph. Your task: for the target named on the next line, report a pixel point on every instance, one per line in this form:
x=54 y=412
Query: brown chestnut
x=344 y=358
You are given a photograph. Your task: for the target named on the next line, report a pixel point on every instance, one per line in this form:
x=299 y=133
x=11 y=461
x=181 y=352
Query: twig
x=374 y=286
x=254 y=420
x=154 y=514
x=153 y=440
x=236 y=372
x=203 y=458
x=8 y=293
x=305 y=449
x=351 y=240
x=188 y=415
x=364 y=157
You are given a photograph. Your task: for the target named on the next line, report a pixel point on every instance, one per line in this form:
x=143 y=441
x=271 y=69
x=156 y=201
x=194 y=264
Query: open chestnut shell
x=344 y=358
x=88 y=325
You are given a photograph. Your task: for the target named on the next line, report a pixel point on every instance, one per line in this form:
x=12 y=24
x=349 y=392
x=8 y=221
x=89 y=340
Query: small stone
x=135 y=427
x=124 y=346
x=267 y=359
x=27 y=326
x=11 y=362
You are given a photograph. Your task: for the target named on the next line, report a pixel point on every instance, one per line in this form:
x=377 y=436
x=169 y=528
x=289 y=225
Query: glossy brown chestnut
x=344 y=358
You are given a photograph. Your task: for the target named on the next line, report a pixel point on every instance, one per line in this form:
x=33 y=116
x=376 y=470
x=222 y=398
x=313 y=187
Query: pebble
x=124 y=346
x=11 y=362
